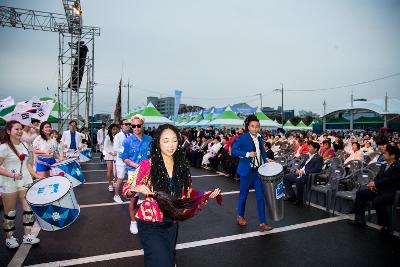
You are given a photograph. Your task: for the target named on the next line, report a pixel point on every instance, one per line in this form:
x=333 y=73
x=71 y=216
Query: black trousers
x=214 y=163
x=289 y=180
x=379 y=202
x=159 y=242
x=197 y=156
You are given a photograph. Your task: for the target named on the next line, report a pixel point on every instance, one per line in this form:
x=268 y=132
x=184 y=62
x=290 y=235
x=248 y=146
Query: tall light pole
x=324 y=117
x=128 y=86
x=281 y=90
x=260 y=94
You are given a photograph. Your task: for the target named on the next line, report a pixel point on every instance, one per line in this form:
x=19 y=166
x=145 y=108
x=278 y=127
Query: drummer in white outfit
x=16 y=174
x=119 y=164
x=71 y=139
x=45 y=149
x=101 y=137
x=109 y=154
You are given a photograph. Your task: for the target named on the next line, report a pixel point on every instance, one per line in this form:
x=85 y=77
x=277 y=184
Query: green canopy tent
x=152 y=117
x=228 y=118
x=302 y=126
x=207 y=119
x=289 y=126
x=129 y=116
x=195 y=120
x=265 y=121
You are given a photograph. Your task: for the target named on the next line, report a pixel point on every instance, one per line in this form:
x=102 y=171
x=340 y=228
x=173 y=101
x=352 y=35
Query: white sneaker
x=30 y=239
x=12 y=242
x=118 y=199
x=110 y=188
x=133 y=228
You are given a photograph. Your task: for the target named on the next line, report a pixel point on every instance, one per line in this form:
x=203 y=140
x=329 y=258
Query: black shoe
x=357 y=223
x=290 y=199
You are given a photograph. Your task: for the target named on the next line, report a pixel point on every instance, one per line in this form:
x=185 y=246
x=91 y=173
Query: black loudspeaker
x=78 y=68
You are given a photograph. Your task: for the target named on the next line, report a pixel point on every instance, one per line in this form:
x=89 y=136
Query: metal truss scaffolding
x=75 y=63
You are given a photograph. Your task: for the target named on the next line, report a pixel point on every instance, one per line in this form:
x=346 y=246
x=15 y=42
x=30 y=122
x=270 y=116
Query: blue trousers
x=246 y=182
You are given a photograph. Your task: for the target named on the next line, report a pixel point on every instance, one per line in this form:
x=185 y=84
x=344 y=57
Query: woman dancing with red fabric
x=165 y=181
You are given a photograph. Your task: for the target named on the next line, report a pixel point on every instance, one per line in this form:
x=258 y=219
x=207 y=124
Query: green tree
x=307 y=120
x=295 y=120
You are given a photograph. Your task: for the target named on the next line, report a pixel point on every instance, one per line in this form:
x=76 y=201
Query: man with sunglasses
x=135 y=149
x=119 y=138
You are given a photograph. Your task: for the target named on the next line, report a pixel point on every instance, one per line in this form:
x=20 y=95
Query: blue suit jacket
x=243 y=145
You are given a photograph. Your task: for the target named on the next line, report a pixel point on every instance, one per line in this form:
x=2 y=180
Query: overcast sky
x=214 y=50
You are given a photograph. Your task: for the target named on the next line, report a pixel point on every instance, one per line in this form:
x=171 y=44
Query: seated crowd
x=211 y=149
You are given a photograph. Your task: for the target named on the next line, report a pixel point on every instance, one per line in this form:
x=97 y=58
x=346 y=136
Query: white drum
x=85 y=155
x=72 y=154
x=271 y=170
x=53 y=201
x=271 y=175
x=70 y=169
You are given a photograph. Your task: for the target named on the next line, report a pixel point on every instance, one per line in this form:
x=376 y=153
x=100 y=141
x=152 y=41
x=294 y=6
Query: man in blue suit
x=249 y=147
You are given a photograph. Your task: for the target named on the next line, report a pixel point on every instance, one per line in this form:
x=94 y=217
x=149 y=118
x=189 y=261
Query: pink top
x=326 y=153
x=149 y=209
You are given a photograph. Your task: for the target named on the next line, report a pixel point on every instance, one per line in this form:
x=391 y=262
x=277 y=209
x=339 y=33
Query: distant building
x=287 y=114
x=270 y=112
x=303 y=114
x=164 y=104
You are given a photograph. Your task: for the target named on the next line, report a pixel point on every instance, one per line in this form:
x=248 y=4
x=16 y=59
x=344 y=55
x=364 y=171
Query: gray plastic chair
x=375 y=166
x=354 y=165
x=329 y=188
x=361 y=179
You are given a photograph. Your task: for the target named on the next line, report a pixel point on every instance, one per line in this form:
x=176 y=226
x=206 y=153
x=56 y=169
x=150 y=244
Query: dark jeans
x=214 y=163
x=159 y=242
x=379 y=202
x=289 y=180
x=197 y=156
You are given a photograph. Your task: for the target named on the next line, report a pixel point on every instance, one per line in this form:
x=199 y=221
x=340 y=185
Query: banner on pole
x=178 y=95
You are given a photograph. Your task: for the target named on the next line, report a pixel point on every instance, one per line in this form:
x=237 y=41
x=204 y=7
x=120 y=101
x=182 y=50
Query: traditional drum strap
x=9 y=223
x=28 y=218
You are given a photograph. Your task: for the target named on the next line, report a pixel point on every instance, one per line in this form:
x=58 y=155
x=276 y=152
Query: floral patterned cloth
x=149 y=209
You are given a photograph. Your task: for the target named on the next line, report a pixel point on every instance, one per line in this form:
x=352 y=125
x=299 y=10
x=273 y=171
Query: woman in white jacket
x=212 y=151
x=355 y=153
x=109 y=154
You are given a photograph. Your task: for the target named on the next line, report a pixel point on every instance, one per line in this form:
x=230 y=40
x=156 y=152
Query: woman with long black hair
x=16 y=174
x=45 y=149
x=166 y=171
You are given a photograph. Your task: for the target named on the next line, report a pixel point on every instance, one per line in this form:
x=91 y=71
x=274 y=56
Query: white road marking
x=206 y=242
x=127 y=202
x=103 y=204
x=23 y=250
